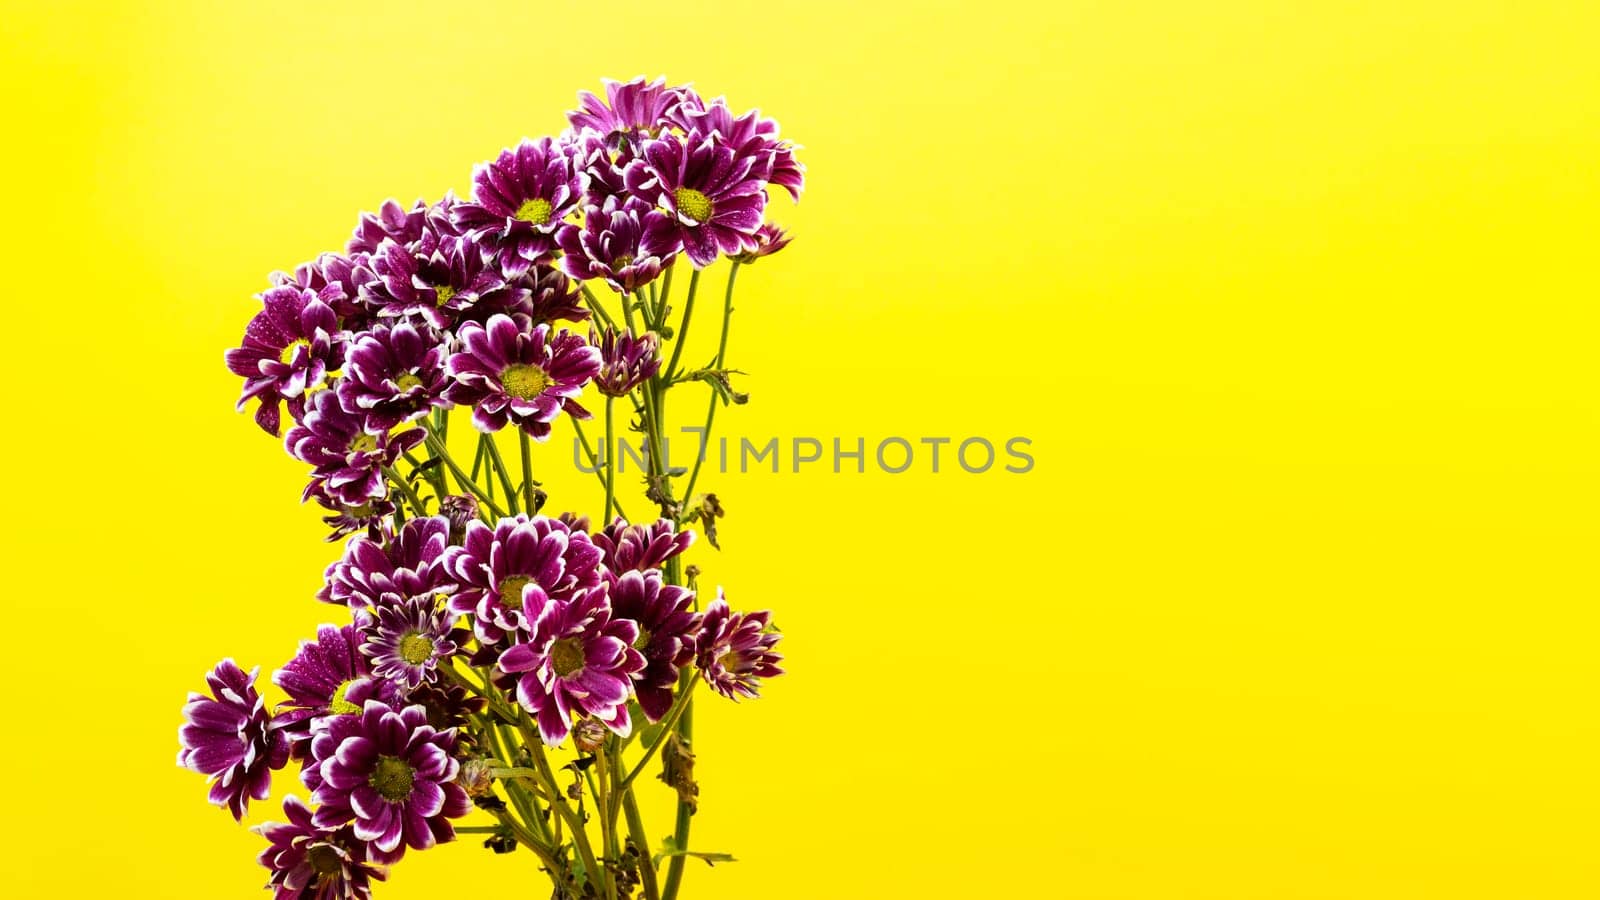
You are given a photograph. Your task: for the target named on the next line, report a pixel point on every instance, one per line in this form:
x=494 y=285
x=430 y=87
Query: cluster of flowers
x=574 y=624
x=458 y=613
x=454 y=303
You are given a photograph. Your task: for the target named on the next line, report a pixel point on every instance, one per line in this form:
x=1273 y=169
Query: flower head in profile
x=311 y=863
x=394 y=374
x=407 y=639
x=344 y=520
x=449 y=705
x=666 y=634
x=552 y=296
x=406 y=561
x=713 y=193
x=510 y=375
x=734 y=650
x=628 y=109
x=389 y=773
x=328 y=676
x=343 y=274
x=391 y=222
x=495 y=568
x=289 y=346
x=647 y=545
x=625 y=244
x=625 y=361
x=229 y=737
x=519 y=201
x=577 y=660
x=770 y=238
x=347 y=450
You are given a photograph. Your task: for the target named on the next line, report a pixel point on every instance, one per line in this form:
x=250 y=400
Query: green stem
x=467 y=484
x=683 y=327
x=527 y=471
x=611 y=463
x=505 y=475
x=535 y=745
x=679 y=706
x=594 y=304
x=680 y=830
x=647 y=868
x=608 y=831
x=711 y=408
x=405 y=489
x=594 y=464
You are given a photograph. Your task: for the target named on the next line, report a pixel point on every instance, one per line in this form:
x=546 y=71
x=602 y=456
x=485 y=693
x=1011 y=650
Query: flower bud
x=460 y=509
x=588 y=735
x=474 y=777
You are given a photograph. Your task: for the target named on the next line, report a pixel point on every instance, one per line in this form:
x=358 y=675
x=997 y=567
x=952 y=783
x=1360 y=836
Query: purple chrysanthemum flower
x=666 y=634
x=288 y=346
x=511 y=375
x=346 y=273
x=345 y=520
x=628 y=110
x=328 y=676
x=518 y=202
x=495 y=567
x=769 y=240
x=627 y=245
x=448 y=704
x=625 y=361
x=394 y=374
x=749 y=135
x=408 y=637
x=602 y=163
x=553 y=296
x=229 y=737
x=459 y=509
x=408 y=562
x=346 y=450
x=714 y=194
x=577 y=660
x=311 y=863
x=391 y=222
x=734 y=650
x=440 y=279
x=390 y=773
x=639 y=547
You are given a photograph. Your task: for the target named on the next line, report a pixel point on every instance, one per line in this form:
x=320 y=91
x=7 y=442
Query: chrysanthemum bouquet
x=535 y=668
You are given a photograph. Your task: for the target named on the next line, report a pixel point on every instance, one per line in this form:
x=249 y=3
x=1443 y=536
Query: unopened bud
x=474 y=777
x=588 y=735
x=460 y=509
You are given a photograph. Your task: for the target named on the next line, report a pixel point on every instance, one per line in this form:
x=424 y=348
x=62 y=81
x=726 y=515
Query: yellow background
x=1294 y=299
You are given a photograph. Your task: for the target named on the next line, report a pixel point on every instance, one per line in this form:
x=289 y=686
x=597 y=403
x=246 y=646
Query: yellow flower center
x=287 y=356
x=416 y=648
x=391 y=778
x=338 y=705
x=536 y=211
x=625 y=259
x=524 y=381
x=408 y=381
x=644 y=639
x=693 y=204
x=729 y=660
x=566 y=656
x=325 y=860
x=363 y=443
x=443 y=294
x=511 y=591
